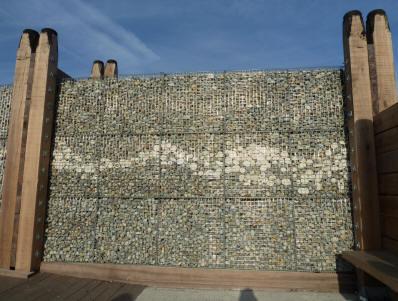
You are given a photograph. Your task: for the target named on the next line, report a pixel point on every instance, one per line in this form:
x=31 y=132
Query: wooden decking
x=44 y=286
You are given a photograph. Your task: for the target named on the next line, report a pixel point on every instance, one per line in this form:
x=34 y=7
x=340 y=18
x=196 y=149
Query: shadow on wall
x=247 y=295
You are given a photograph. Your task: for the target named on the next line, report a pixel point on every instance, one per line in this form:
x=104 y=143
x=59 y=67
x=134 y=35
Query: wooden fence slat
x=386 y=119
x=388 y=184
x=97 y=71
x=386 y=141
x=389 y=204
x=34 y=188
x=389 y=227
x=15 y=145
x=387 y=162
x=390 y=244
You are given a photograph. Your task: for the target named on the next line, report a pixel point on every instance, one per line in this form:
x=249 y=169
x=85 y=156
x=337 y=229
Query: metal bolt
x=43 y=170
x=352 y=149
x=49 y=89
x=40 y=203
x=351 y=132
x=354 y=187
x=51 y=74
x=37 y=253
x=355 y=207
x=358 y=245
x=349 y=96
x=349 y=114
x=49 y=105
x=41 y=187
x=354 y=169
x=356 y=226
x=348 y=77
x=52 y=59
x=45 y=154
x=47 y=119
x=46 y=136
x=39 y=219
x=37 y=236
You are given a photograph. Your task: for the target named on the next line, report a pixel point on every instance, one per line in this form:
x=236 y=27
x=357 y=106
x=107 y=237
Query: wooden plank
x=386 y=120
x=128 y=291
x=84 y=291
x=7 y=283
x=29 y=286
x=202 y=278
x=379 y=38
x=388 y=184
x=387 y=162
x=389 y=227
x=34 y=188
x=16 y=140
x=381 y=265
x=16 y=274
x=389 y=205
x=387 y=141
x=390 y=245
x=364 y=180
x=111 y=290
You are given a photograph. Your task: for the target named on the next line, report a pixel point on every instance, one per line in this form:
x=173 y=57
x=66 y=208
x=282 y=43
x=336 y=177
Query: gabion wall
x=5 y=107
x=243 y=170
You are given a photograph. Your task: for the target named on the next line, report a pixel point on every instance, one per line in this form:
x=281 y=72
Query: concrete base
x=16 y=274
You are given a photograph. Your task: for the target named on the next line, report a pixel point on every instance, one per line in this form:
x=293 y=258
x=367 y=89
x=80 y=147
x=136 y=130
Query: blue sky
x=183 y=35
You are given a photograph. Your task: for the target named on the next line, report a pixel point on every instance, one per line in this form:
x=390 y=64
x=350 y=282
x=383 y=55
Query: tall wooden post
x=34 y=187
x=381 y=61
x=362 y=146
x=111 y=69
x=15 y=147
x=97 y=71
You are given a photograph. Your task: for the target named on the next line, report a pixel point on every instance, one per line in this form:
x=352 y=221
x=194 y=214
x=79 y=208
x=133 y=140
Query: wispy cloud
x=85 y=33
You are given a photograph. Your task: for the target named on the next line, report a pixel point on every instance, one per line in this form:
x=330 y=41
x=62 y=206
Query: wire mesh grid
x=206 y=169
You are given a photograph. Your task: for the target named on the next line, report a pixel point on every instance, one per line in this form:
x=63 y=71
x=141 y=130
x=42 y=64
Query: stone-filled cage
x=242 y=170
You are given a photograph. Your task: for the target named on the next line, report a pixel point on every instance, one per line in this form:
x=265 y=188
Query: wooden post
x=34 y=187
x=97 y=71
x=360 y=122
x=381 y=61
x=361 y=136
x=15 y=147
x=111 y=69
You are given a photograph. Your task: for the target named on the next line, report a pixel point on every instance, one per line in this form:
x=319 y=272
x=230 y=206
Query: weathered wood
x=202 y=278
x=390 y=245
x=389 y=227
x=387 y=141
x=389 y=205
x=34 y=188
x=387 y=162
x=111 y=69
x=386 y=119
x=365 y=190
x=388 y=184
x=15 y=274
x=379 y=40
x=97 y=71
x=381 y=265
x=15 y=147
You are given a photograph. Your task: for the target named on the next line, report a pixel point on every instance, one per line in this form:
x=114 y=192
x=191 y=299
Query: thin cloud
x=85 y=32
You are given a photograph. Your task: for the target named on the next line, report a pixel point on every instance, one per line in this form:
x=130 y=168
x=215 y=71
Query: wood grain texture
x=388 y=184
x=381 y=265
x=389 y=227
x=389 y=205
x=203 y=278
x=379 y=38
x=387 y=162
x=390 y=245
x=387 y=141
x=34 y=187
x=358 y=88
x=386 y=119
x=16 y=140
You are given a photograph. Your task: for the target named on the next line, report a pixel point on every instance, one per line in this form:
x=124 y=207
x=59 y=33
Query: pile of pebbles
x=244 y=170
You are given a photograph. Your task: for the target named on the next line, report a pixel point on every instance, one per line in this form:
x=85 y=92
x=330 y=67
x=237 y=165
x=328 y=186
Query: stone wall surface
x=5 y=108
x=243 y=170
